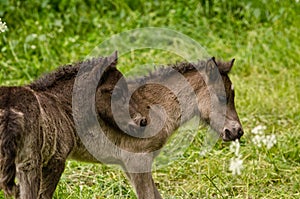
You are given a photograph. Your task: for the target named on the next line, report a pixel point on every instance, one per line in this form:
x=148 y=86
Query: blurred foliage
x=263 y=36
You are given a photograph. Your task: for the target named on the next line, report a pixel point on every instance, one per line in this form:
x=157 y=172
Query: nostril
x=227 y=132
x=240 y=132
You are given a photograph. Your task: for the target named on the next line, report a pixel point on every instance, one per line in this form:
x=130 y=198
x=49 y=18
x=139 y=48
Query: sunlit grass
x=264 y=39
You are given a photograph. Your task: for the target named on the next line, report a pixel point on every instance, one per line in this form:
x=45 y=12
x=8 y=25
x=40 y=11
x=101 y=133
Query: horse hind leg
x=29 y=177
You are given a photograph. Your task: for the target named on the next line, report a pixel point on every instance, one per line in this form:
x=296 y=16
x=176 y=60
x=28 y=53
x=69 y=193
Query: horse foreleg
x=50 y=177
x=144 y=185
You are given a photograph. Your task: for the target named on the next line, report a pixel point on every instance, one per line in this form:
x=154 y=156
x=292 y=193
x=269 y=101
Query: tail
x=11 y=128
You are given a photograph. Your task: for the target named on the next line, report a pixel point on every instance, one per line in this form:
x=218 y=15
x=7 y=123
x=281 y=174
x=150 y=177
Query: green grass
x=264 y=39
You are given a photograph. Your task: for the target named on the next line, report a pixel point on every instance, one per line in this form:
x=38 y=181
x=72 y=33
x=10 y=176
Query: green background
x=262 y=36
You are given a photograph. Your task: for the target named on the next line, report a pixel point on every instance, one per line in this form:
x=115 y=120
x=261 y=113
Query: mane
x=49 y=80
x=165 y=71
x=63 y=73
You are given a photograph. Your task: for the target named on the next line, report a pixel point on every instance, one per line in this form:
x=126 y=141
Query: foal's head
x=216 y=100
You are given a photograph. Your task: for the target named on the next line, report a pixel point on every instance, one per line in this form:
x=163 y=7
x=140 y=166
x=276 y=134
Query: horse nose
x=233 y=133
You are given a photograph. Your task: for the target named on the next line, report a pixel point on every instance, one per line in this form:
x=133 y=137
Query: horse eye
x=222 y=99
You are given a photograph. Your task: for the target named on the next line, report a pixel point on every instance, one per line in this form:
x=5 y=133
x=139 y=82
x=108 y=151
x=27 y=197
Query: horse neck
x=189 y=89
x=176 y=93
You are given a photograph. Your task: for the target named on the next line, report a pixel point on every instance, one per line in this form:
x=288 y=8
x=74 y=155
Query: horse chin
x=228 y=138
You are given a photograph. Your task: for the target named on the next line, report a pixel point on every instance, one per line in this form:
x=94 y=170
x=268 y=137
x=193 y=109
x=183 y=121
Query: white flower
x=259 y=130
x=235 y=147
x=269 y=141
x=257 y=140
x=3 y=26
x=236 y=165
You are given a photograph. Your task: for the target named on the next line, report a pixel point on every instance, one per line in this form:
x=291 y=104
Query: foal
x=38 y=131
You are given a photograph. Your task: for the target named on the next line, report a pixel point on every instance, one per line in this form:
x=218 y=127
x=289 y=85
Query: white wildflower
x=3 y=26
x=260 y=139
x=235 y=147
x=269 y=141
x=259 y=130
x=236 y=165
x=257 y=140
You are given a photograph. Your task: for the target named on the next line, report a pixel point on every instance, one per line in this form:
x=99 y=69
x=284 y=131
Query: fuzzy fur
x=37 y=130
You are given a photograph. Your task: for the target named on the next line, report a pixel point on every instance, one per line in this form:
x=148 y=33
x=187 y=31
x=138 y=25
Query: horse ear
x=106 y=63
x=225 y=67
x=110 y=62
x=113 y=59
x=211 y=69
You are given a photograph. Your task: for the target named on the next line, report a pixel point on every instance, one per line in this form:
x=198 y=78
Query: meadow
x=263 y=37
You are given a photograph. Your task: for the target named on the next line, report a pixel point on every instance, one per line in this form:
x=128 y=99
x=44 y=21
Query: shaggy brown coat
x=38 y=134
